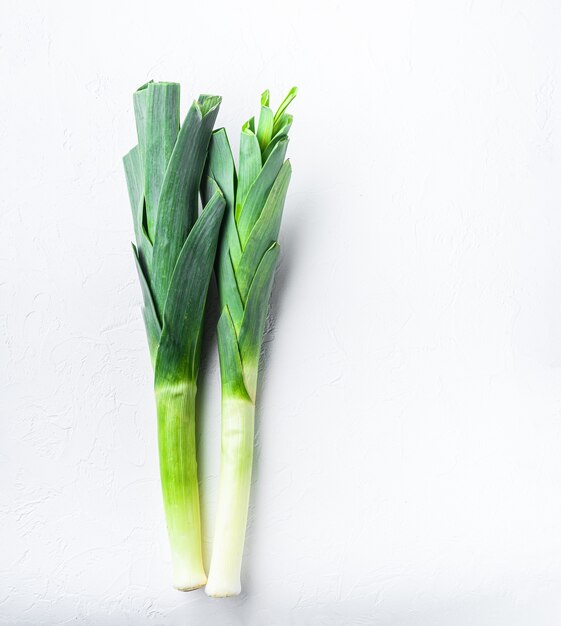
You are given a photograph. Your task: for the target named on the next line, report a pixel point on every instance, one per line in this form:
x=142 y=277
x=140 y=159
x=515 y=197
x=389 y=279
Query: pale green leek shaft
x=180 y=484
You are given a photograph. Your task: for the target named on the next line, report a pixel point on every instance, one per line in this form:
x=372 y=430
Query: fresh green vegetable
x=246 y=263
x=174 y=253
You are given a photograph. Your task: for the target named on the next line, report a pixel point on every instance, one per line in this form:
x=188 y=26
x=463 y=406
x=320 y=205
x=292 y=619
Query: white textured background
x=409 y=450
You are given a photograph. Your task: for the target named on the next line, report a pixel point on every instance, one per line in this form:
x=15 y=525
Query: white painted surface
x=409 y=460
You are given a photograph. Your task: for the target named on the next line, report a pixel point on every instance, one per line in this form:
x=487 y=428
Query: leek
x=174 y=254
x=246 y=263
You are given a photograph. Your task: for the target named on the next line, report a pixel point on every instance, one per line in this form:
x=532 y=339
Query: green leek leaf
x=266 y=122
x=231 y=371
x=256 y=308
x=149 y=313
x=278 y=122
x=249 y=166
x=135 y=184
x=177 y=359
x=178 y=202
x=162 y=126
x=265 y=232
x=260 y=190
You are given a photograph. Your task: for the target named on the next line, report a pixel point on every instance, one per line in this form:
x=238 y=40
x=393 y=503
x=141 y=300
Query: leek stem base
x=238 y=417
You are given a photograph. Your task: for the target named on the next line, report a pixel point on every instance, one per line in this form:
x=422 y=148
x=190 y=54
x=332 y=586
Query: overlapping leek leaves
x=246 y=262
x=174 y=253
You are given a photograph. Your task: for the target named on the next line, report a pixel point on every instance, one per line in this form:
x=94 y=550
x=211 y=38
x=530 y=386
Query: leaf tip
x=207 y=103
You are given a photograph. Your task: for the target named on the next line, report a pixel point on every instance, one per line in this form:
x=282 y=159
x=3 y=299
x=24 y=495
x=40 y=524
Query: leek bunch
x=174 y=253
x=246 y=263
